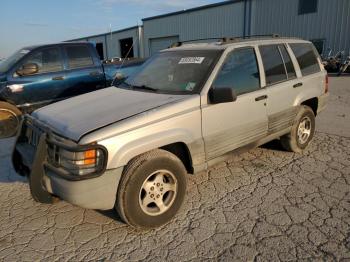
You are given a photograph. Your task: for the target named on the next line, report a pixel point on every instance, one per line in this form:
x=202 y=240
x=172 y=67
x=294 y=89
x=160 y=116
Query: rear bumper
x=322 y=102
x=92 y=193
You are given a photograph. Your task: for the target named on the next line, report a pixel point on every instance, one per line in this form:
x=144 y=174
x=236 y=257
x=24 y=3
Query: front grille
x=32 y=133
x=53 y=154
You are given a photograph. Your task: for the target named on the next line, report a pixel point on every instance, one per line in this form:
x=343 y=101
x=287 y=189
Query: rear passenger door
x=282 y=86
x=228 y=126
x=84 y=74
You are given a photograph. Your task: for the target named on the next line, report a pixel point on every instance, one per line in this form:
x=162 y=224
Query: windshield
x=6 y=64
x=182 y=72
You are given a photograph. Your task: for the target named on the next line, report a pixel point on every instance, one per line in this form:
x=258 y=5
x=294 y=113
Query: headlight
x=79 y=160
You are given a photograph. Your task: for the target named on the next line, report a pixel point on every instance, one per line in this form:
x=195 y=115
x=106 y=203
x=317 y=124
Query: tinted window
x=273 y=64
x=287 y=62
x=306 y=58
x=307 y=6
x=48 y=60
x=240 y=72
x=78 y=56
x=12 y=60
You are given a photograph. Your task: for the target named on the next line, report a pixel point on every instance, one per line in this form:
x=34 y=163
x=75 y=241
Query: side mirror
x=28 y=69
x=222 y=95
x=118 y=78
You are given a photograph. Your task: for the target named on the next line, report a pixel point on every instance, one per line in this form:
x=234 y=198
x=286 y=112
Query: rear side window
x=306 y=58
x=240 y=72
x=287 y=62
x=78 y=57
x=273 y=64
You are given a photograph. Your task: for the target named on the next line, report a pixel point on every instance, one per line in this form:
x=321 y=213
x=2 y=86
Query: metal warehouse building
x=121 y=43
x=325 y=22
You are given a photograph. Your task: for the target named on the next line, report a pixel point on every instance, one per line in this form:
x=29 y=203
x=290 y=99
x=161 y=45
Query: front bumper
x=97 y=192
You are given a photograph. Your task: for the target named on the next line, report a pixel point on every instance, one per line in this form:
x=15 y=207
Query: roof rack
x=177 y=44
x=223 y=40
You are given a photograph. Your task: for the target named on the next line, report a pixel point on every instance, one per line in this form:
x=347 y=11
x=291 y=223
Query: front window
x=180 y=72
x=239 y=72
x=48 y=60
x=12 y=60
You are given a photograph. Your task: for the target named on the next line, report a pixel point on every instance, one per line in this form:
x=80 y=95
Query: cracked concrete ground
x=264 y=205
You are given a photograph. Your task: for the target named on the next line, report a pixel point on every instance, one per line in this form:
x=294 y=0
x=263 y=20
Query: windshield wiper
x=144 y=87
x=122 y=82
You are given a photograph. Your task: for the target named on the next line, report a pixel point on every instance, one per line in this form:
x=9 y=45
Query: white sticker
x=190 y=86
x=24 y=51
x=191 y=60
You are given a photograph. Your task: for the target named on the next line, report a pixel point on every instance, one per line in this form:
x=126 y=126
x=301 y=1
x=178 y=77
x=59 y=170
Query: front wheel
x=152 y=189
x=302 y=131
x=10 y=117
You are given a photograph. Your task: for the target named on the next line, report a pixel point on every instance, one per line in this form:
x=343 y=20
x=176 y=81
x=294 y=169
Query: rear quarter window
x=79 y=56
x=307 y=59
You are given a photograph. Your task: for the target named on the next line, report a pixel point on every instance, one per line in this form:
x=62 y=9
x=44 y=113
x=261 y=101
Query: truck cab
x=36 y=76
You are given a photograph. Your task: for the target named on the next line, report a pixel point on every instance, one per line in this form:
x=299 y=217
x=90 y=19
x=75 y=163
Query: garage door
x=157 y=44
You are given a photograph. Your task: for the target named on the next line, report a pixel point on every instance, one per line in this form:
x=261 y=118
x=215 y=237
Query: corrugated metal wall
x=226 y=20
x=331 y=22
x=111 y=45
x=114 y=49
x=99 y=39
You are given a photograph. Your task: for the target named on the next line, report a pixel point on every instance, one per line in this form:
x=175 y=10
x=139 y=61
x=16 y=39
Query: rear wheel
x=302 y=131
x=10 y=117
x=152 y=189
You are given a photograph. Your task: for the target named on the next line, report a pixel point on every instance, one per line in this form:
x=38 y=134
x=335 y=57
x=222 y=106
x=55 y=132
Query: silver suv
x=131 y=147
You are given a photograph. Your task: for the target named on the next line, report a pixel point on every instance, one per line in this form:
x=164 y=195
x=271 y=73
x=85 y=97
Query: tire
x=296 y=141
x=10 y=118
x=155 y=177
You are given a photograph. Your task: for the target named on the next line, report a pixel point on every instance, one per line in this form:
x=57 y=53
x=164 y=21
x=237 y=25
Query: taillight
x=326 y=84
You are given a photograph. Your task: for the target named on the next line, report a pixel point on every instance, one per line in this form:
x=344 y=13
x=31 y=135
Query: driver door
x=231 y=125
x=45 y=85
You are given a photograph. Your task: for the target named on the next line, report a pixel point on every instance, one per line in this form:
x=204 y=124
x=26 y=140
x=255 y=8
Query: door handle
x=259 y=98
x=58 y=78
x=95 y=73
x=297 y=85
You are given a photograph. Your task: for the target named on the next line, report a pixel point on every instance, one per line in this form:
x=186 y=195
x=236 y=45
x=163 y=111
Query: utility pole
x=110 y=30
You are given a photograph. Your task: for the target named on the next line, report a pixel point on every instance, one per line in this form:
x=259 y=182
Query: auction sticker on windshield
x=191 y=60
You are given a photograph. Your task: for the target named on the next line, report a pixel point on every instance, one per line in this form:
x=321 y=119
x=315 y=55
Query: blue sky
x=27 y=22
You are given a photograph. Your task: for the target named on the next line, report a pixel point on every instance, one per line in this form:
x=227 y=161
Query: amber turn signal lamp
x=90 y=157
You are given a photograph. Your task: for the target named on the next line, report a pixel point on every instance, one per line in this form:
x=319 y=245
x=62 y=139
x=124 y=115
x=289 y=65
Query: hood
x=74 y=117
